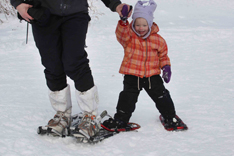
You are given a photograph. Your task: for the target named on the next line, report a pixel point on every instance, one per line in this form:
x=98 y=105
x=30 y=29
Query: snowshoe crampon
x=49 y=131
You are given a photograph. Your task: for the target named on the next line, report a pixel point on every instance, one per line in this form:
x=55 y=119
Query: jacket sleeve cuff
x=122 y=23
x=15 y=3
x=114 y=4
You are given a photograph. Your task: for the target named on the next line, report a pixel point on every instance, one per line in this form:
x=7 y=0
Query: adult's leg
x=75 y=61
x=49 y=43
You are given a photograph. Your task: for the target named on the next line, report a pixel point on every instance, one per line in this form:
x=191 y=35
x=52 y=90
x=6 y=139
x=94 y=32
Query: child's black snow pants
x=61 y=45
x=155 y=89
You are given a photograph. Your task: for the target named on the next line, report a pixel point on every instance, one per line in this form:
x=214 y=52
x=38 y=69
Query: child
x=145 y=54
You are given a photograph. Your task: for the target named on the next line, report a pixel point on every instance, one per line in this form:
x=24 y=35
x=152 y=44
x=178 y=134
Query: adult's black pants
x=61 y=45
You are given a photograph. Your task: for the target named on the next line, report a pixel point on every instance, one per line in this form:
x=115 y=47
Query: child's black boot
x=114 y=124
x=175 y=123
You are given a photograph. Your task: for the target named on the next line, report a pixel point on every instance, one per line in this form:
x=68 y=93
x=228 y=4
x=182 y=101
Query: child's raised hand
x=166 y=73
x=126 y=12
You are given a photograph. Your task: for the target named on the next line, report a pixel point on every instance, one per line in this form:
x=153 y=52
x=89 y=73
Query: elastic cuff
x=122 y=23
x=114 y=4
x=15 y=4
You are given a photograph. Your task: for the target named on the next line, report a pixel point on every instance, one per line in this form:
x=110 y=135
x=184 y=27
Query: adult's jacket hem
x=68 y=7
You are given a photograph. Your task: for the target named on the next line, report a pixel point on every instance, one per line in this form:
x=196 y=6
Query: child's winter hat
x=146 y=12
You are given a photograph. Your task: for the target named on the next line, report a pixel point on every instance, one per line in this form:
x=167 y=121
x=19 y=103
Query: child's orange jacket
x=143 y=57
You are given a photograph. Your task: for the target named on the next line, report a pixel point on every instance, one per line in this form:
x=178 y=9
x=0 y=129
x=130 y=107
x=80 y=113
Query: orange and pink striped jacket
x=142 y=57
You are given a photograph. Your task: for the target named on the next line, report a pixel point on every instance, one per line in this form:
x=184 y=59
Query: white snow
x=200 y=35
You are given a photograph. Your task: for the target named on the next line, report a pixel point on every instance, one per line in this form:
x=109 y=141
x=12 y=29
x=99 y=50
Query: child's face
x=141 y=26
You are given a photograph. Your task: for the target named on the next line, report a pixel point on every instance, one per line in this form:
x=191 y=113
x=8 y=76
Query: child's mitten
x=125 y=12
x=166 y=73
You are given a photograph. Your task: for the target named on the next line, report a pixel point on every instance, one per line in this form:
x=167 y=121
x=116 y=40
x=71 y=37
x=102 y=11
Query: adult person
x=59 y=30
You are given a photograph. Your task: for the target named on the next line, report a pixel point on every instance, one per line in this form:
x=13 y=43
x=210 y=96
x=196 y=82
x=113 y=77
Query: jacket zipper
x=62 y=7
x=146 y=56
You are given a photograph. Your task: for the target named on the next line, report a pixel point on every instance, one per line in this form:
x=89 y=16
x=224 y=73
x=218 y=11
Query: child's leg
x=127 y=99
x=161 y=96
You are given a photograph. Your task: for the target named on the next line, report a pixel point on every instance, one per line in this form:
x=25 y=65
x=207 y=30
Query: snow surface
x=200 y=35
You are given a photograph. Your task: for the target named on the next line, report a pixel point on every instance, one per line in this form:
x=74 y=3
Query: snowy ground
x=200 y=35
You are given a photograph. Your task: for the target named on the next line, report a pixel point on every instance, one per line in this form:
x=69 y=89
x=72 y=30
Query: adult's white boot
x=88 y=103
x=61 y=102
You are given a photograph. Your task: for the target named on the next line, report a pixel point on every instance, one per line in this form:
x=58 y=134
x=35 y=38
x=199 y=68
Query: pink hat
x=146 y=12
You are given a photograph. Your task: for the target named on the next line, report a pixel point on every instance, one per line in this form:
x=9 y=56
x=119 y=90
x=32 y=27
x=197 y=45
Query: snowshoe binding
x=174 y=124
x=88 y=129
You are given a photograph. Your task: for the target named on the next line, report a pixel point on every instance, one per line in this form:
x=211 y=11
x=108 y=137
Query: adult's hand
x=23 y=11
x=120 y=7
